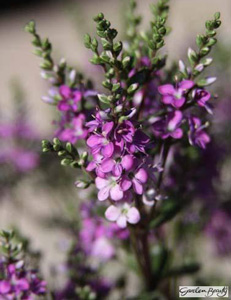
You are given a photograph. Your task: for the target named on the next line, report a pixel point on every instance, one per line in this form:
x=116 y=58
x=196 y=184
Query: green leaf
x=167 y=212
x=184 y=270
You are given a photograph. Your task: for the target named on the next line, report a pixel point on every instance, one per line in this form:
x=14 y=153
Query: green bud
x=118 y=47
x=56 y=141
x=87 y=41
x=99 y=17
x=112 y=33
x=107 y=84
x=217 y=15
x=82 y=184
x=103 y=98
x=96 y=60
x=192 y=56
x=211 y=42
x=30 y=27
x=66 y=161
x=106 y=44
x=204 y=51
x=132 y=88
x=126 y=62
x=115 y=87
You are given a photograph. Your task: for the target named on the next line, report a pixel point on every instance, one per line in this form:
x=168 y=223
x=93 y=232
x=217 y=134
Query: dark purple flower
x=169 y=126
x=124 y=133
x=219 y=229
x=139 y=143
x=201 y=96
x=197 y=135
x=175 y=96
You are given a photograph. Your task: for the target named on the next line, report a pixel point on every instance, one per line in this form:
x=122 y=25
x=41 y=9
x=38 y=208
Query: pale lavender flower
x=123 y=214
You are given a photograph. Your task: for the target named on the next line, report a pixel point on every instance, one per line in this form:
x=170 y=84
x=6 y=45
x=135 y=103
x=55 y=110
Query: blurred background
x=32 y=199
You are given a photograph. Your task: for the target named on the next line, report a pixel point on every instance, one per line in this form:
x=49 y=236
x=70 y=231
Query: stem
x=141 y=249
x=160 y=179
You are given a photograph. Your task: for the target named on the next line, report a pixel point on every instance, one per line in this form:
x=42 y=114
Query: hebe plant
x=123 y=138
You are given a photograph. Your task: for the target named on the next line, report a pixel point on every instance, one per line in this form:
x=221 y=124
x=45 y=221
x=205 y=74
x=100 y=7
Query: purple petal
x=166 y=89
x=125 y=183
x=178 y=102
x=167 y=99
x=108 y=150
x=177 y=134
x=77 y=96
x=186 y=84
x=112 y=213
x=127 y=162
x=175 y=120
x=122 y=221
x=91 y=166
x=107 y=128
x=101 y=183
x=103 y=194
x=63 y=105
x=65 y=91
x=94 y=140
x=142 y=175
x=23 y=284
x=116 y=193
x=137 y=186
x=107 y=165
x=133 y=215
x=117 y=170
x=4 y=287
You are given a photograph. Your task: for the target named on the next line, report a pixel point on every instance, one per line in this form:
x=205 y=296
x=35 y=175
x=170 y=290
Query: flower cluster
x=93 y=248
x=178 y=100
x=74 y=107
x=96 y=237
x=120 y=166
x=17 y=281
x=143 y=117
x=15 y=137
x=20 y=283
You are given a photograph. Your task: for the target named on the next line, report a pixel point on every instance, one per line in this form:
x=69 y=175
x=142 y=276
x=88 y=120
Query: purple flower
x=102 y=249
x=197 y=135
x=70 y=99
x=4 y=287
x=19 y=283
x=75 y=132
x=136 y=178
x=175 y=96
x=23 y=160
x=124 y=133
x=123 y=214
x=140 y=141
x=169 y=126
x=117 y=164
x=219 y=228
x=100 y=142
x=201 y=96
